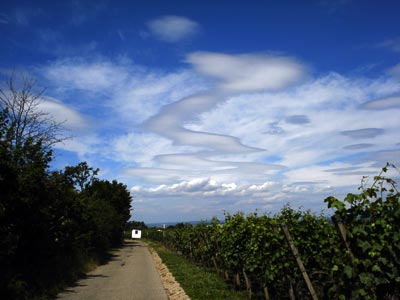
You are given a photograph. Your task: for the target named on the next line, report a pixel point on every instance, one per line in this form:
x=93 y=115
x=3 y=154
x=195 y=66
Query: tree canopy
x=51 y=222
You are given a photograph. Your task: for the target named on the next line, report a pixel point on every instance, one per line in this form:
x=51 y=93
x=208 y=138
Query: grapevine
x=251 y=251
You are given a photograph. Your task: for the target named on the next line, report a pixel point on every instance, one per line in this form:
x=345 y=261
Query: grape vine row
x=355 y=257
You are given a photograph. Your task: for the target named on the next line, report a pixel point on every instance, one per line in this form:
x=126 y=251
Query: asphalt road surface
x=130 y=275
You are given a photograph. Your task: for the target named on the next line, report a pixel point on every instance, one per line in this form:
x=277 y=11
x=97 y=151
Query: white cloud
x=231 y=70
x=247 y=142
x=202 y=198
x=330 y=105
x=172 y=29
x=230 y=128
x=98 y=76
x=134 y=92
x=323 y=176
x=202 y=187
x=395 y=70
x=84 y=145
x=61 y=113
x=171 y=118
x=248 y=72
x=383 y=103
x=143 y=95
x=192 y=161
x=144 y=148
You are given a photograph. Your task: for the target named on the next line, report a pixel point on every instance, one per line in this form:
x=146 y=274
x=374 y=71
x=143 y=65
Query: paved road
x=130 y=275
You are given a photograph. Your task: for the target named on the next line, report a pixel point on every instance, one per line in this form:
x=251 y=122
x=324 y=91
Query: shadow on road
x=102 y=259
x=88 y=276
x=134 y=243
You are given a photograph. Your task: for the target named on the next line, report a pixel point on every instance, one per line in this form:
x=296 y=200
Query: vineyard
x=296 y=254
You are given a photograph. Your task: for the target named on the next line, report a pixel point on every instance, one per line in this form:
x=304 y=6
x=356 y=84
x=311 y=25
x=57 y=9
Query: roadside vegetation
x=296 y=254
x=199 y=283
x=54 y=224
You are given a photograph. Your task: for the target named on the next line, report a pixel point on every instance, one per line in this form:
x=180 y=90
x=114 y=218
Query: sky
x=207 y=107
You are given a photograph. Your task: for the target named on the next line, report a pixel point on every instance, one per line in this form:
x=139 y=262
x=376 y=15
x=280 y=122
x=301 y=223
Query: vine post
x=341 y=229
x=248 y=284
x=299 y=262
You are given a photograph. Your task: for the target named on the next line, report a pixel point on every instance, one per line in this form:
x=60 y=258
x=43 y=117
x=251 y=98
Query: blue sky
x=202 y=107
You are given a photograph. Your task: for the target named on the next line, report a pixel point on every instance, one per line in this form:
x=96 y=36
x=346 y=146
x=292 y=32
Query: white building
x=136 y=234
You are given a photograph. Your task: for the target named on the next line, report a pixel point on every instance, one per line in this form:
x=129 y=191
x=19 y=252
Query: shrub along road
x=130 y=275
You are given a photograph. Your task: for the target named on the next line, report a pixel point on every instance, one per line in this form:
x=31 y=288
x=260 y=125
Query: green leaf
x=335 y=203
x=348 y=271
x=364 y=245
x=376 y=268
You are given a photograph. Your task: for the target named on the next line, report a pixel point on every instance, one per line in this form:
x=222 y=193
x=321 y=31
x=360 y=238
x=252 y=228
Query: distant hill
x=174 y=223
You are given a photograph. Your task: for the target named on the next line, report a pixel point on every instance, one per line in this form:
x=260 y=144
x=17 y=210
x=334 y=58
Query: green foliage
x=81 y=175
x=48 y=227
x=366 y=267
x=108 y=206
x=256 y=245
x=135 y=225
x=372 y=220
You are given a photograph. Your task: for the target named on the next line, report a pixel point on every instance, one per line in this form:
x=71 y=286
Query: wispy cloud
x=25 y=16
x=4 y=18
x=82 y=11
x=391 y=44
x=298 y=119
x=21 y=17
x=85 y=75
x=122 y=95
x=133 y=91
x=358 y=146
x=121 y=35
x=383 y=103
x=172 y=29
x=395 y=71
x=332 y=6
x=144 y=148
x=365 y=133
x=51 y=41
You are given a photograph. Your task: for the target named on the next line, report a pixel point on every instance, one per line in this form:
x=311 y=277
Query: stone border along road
x=131 y=274
x=173 y=288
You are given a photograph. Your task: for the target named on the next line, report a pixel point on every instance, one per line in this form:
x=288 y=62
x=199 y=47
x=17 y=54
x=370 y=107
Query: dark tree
x=51 y=223
x=81 y=175
x=22 y=104
x=114 y=198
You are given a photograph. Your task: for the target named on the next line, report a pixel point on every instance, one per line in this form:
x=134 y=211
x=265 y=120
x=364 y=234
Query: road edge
x=172 y=287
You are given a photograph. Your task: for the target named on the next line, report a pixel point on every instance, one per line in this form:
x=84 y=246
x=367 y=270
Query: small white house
x=136 y=234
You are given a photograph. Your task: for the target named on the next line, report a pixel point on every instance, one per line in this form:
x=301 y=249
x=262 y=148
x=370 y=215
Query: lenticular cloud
x=248 y=72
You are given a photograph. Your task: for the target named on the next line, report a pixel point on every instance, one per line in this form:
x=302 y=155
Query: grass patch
x=198 y=282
